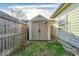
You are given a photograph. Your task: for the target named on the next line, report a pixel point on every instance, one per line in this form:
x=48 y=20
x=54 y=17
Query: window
x=62 y=23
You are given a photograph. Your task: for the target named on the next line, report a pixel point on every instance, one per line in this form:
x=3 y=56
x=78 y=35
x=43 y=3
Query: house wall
x=55 y=28
x=52 y=33
x=67 y=25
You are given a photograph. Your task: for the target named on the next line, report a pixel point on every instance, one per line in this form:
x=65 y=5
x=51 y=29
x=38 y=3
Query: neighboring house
x=39 y=28
x=66 y=25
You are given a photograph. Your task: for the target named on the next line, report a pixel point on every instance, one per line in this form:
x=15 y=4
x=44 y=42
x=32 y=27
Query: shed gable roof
x=39 y=17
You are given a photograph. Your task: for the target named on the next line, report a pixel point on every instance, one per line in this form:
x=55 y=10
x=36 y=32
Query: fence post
x=8 y=43
x=1 y=45
x=5 y=43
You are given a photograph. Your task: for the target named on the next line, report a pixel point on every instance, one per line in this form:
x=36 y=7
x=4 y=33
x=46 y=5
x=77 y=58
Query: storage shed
x=66 y=25
x=39 y=28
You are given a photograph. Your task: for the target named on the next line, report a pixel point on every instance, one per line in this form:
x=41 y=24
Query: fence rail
x=10 y=42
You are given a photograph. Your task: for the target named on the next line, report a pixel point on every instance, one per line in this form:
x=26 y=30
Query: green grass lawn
x=44 y=48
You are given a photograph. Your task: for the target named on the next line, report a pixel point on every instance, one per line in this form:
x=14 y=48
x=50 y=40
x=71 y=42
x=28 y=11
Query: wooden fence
x=13 y=33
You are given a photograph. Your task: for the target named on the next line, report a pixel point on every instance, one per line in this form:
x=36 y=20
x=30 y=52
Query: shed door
x=40 y=31
x=43 y=31
x=35 y=32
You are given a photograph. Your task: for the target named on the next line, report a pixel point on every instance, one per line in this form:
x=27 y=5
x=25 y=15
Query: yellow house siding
x=70 y=31
x=61 y=8
x=73 y=21
x=70 y=14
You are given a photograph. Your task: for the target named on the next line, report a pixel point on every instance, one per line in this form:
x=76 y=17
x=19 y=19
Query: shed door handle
x=39 y=30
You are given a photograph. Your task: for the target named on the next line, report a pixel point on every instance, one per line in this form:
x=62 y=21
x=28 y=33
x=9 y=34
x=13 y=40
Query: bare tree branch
x=18 y=13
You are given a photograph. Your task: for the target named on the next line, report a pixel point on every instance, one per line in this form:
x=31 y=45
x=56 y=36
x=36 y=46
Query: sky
x=39 y=1
x=31 y=9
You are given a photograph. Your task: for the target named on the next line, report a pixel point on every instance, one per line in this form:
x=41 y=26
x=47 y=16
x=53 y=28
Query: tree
x=18 y=13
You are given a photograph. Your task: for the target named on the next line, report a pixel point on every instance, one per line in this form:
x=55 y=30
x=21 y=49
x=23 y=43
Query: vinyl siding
x=73 y=21
x=69 y=32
